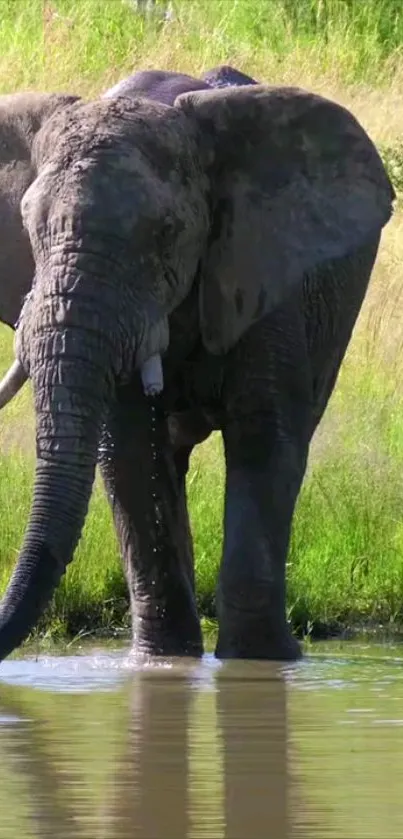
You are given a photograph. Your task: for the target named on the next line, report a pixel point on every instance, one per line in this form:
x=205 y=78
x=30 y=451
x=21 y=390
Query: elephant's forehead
x=91 y=166
x=109 y=124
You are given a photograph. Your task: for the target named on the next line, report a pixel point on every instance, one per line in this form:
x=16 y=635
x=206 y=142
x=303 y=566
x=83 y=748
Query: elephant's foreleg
x=149 y=508
x=264 y=474
x=266 y=435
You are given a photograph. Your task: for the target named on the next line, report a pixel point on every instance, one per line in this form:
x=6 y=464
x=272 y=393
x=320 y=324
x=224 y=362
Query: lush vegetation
x=346 y=556
x=84 y=45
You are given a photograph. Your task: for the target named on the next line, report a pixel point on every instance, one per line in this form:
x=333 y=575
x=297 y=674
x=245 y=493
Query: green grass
x=346 y=554
x=83 y=44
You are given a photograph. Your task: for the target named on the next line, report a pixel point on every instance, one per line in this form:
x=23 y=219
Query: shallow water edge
x=363 y=634
x=96 y=744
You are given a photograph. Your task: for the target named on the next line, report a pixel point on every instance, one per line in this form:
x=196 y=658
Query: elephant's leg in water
x=267 y=409
x=150 y=514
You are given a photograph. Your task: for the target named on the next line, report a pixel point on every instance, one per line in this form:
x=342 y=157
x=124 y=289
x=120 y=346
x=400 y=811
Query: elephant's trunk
x=12 y=383
x=70 y=366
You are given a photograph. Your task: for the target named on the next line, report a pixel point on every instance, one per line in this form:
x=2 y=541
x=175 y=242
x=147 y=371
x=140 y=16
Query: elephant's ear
x=295 y=181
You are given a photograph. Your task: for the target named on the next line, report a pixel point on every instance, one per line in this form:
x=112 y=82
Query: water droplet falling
x=157 y=506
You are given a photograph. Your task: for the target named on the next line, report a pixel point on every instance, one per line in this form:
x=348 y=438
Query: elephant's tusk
x=152 y=375
x=12 y=382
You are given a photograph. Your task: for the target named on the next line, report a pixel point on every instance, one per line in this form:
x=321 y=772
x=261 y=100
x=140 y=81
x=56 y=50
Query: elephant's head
x=246 y=188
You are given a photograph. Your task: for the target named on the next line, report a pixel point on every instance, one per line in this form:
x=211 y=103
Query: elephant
x=20 y=117
x=226 y=76
x=230 y=237
x=164 y=86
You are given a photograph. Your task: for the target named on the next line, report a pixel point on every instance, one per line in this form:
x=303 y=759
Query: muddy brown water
x=101 y=746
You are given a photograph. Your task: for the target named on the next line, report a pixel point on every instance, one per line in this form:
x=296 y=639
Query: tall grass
x=89 y=43
x=346 y=553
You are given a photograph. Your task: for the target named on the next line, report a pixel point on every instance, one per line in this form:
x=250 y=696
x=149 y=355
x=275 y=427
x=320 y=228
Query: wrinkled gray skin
x=250 y=219
x=21 y=115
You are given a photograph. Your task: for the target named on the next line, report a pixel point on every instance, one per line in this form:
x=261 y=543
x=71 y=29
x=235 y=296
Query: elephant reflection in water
x=236 y=786
x=204 y=761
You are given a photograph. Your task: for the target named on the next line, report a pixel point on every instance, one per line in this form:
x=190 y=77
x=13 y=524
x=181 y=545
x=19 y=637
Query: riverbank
x=346 y=555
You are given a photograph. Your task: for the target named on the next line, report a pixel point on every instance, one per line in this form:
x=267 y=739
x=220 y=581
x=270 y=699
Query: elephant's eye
x=80 y=166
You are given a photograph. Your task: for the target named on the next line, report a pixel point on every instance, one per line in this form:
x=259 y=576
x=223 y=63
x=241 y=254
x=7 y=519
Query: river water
x=100 y=746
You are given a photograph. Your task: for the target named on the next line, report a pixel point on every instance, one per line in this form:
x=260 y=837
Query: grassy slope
x=346 y=558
